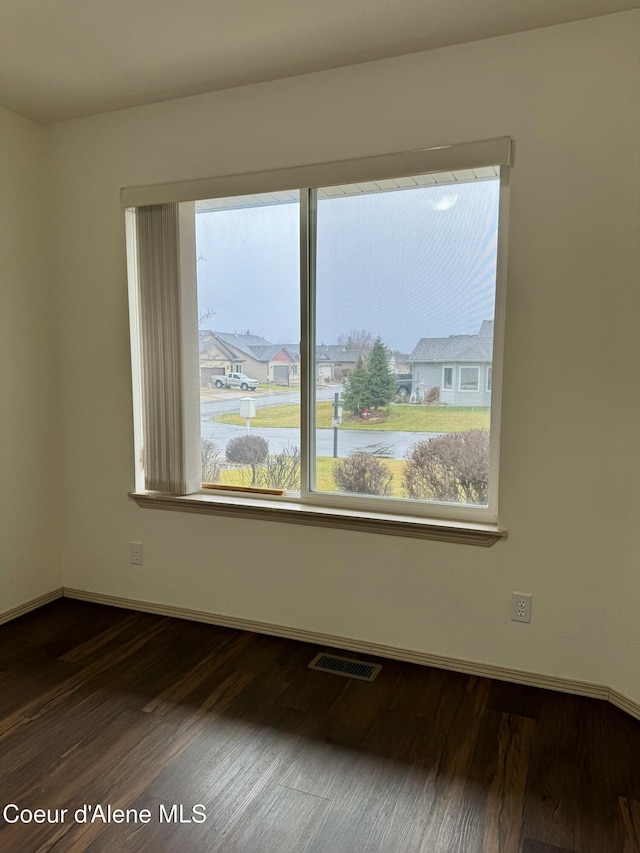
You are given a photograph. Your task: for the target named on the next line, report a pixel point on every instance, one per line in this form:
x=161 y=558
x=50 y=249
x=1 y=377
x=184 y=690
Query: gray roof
x=266 y=353
x=335 y=353
x=244 y=343
x=457 y=347
x=327 y=353
x=233 y=346
x=207 y=339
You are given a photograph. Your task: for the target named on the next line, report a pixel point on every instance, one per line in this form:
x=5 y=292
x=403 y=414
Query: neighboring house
x=217 y=359
x=399 y=362
x=333 y=361
x=227 y=352
x=282 y=367
x=460 y=366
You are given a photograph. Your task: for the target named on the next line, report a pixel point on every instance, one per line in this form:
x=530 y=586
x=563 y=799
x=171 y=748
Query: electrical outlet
x=136 y=554
x=520 y=607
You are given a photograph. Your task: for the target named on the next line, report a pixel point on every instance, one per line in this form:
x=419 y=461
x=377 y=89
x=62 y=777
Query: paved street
x=392 y=445
x=217 y=402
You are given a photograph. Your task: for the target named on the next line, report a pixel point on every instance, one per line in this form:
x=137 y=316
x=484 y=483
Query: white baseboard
x=624 y=703
x=532 y=679
x=517 y=676
x=40 y=601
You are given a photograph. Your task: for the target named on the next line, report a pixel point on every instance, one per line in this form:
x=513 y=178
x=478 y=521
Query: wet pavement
x=391 y=445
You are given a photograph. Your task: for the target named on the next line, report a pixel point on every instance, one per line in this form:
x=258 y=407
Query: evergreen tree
x=356 y=394
x=382 y=384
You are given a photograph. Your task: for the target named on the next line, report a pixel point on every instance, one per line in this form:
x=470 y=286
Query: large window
x=313 y=327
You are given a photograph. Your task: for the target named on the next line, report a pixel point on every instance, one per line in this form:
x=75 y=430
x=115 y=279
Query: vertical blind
x=161 y=329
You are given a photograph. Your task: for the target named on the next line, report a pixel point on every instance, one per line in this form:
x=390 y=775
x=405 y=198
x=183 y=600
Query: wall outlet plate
x=136 y=554
x=521 y=607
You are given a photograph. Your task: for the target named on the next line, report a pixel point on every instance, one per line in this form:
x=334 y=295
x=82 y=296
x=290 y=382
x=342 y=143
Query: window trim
x=290 y=512
x=443 y=158
x=341 y=510
x=450 y=367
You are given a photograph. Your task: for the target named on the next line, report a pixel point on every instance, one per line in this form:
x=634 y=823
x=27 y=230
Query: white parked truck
x=236 y=380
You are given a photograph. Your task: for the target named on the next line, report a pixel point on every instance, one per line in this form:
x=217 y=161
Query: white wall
x=570 y=461
x=29 y=553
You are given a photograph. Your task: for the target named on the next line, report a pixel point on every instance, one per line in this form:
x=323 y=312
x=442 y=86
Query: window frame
x=377 y=514
x=446 y=367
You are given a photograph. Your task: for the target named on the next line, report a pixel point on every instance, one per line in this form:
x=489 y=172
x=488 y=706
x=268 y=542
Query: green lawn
x=324 y=477
x=326 y=483
x=399 y=417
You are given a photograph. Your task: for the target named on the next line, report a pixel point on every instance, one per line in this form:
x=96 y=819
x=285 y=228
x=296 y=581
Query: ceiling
x=63 y=59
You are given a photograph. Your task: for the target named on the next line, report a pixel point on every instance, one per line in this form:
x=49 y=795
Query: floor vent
x=345 y=666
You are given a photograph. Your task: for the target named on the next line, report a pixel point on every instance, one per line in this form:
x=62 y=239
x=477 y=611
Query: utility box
x=247 y=407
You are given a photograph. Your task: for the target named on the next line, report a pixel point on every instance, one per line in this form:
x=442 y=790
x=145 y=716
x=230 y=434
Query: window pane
x=248 y=303
x=405 y=284
x=469 y=378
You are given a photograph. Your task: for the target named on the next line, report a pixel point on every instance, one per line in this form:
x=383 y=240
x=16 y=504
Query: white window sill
x=289 y=512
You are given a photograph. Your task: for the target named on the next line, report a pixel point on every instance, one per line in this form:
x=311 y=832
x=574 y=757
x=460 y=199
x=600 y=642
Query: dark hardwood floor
x=101 y=707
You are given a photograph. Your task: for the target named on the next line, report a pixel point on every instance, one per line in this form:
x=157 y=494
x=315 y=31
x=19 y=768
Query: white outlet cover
x=521 y=607
x=137 y=557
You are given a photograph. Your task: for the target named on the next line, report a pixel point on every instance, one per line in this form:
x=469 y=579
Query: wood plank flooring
x=220 y=740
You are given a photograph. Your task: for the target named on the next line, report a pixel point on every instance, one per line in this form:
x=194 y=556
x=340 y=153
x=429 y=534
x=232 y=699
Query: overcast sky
x=404 y=264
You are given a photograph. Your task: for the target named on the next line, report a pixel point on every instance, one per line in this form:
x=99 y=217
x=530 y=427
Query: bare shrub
x=281 y=471
x=211 y=461
x=362 y=474
x=432 y=395
x=452 y=468
x=251 y=450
